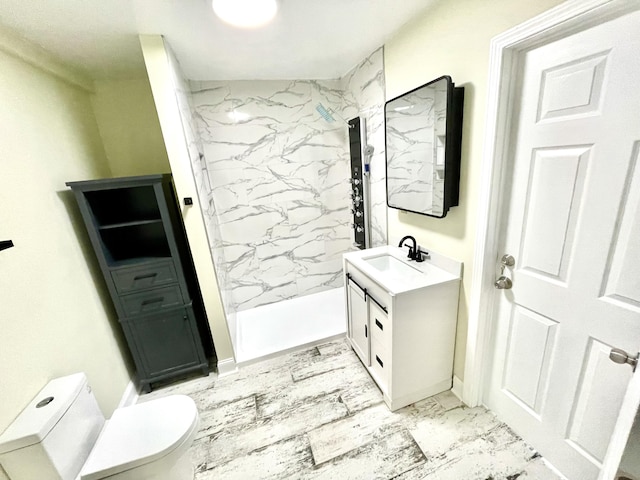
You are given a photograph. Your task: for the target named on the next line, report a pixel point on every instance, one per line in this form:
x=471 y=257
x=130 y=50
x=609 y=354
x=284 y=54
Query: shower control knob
x=356 y=181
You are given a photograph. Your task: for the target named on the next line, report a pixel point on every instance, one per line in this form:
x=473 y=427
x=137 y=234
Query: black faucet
x=411 y=249
x=414 y=251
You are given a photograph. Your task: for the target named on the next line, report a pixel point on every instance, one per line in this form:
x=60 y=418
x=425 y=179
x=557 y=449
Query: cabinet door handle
x=379 y=304
x=379 y=361
x=366 y=333
x=152 y=300
x=363 y=290
x=379 y=324
x=148 y=275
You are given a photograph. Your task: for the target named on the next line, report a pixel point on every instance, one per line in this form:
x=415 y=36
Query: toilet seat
x=141 y=434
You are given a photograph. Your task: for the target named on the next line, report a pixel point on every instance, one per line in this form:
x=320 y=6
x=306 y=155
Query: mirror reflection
x=420 y=148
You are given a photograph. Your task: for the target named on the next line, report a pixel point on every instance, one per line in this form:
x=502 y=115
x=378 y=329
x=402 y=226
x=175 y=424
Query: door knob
x=620 y=356
x=508 y=260
x=503 y=283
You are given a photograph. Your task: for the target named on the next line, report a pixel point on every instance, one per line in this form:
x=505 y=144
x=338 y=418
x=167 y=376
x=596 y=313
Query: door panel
x=572 y=89
x=623 y=281
x=602 y=383
x=553 y=203
x=572 y=221
x=531 y=342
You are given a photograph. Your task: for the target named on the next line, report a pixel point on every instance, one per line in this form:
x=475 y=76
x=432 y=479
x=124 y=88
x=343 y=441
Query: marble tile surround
x=274 y=175
x=316 y=414
x=364 y=95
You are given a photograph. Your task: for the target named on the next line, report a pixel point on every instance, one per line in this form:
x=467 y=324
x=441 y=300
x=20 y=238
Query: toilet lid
x=141 y=434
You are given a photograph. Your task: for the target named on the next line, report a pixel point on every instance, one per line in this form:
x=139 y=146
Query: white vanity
x=401 y=320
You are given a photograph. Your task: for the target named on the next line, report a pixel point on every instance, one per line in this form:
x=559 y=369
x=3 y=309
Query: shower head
x=327 y=114
x=324 y=113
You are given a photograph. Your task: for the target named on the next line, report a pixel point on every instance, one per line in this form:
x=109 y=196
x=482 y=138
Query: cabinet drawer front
x=380 y=326
x=380 y=366
x=132 y=279
x=152 y=300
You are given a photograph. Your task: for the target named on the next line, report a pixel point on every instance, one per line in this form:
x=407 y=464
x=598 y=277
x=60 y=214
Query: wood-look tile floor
x=316 y=414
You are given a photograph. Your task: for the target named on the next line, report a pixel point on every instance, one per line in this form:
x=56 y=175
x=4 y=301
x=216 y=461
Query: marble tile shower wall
x=277 y=175
x=364 y=89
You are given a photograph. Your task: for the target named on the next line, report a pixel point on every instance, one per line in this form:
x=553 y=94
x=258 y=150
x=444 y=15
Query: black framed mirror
x=423 y=135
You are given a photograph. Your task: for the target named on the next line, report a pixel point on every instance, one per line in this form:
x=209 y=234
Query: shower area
x=272 y=174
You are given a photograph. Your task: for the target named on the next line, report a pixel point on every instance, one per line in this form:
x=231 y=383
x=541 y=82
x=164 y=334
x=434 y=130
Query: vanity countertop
x=391 y=269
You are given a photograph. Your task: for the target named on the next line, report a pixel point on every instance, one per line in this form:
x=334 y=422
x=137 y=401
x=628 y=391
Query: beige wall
x=161 y=74
x=452 y=38
x=129 y=127
x=53 y=319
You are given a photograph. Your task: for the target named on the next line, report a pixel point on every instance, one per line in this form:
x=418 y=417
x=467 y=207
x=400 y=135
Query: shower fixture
x=360 y=154
x=328 y=115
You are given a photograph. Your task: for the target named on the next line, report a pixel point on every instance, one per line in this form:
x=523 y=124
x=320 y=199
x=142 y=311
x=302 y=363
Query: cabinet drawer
x=131 y=279
x=151 y=300
x=380 y=326
x=380 y=365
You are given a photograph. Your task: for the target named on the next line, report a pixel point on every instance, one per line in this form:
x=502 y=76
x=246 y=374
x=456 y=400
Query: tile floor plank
x=384 y=458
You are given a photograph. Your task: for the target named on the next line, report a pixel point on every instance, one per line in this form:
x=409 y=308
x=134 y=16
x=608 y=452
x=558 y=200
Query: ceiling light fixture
x=245 y=13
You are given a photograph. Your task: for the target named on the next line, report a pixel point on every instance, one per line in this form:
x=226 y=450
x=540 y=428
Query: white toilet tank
x=53 y=436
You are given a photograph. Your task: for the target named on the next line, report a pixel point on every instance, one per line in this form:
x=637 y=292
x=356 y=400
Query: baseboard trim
x=226 y=367
x=457 y=388
x=129 y=396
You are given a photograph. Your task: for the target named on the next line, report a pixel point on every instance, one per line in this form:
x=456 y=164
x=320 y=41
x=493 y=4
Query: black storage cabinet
x=138 y=236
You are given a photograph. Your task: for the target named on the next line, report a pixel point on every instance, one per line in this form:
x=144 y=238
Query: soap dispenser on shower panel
x=360 y=153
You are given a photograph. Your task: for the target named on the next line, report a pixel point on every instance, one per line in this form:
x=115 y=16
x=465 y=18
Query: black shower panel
x=359 y=176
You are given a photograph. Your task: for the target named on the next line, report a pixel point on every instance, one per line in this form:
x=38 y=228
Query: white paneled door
x=572 y=222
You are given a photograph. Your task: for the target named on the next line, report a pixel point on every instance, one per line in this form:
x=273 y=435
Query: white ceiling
x=309 y=39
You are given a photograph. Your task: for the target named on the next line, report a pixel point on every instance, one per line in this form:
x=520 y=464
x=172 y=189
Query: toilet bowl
x=63 y=435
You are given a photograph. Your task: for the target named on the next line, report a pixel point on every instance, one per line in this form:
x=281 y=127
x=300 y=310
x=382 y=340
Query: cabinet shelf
x=133 y=240
x=133 y=223
x=123 y=205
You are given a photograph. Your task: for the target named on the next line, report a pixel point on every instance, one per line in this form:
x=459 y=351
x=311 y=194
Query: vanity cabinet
x=402 y=327
x=139 y=240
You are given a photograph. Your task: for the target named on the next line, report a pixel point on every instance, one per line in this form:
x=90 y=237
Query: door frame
x=506 y=50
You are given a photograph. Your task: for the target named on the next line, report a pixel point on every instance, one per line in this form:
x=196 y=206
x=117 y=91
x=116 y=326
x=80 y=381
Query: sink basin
x=389 y=264
x=389 y=268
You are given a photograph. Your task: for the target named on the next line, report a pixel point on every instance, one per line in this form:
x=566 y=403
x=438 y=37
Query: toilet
x=62 y=434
